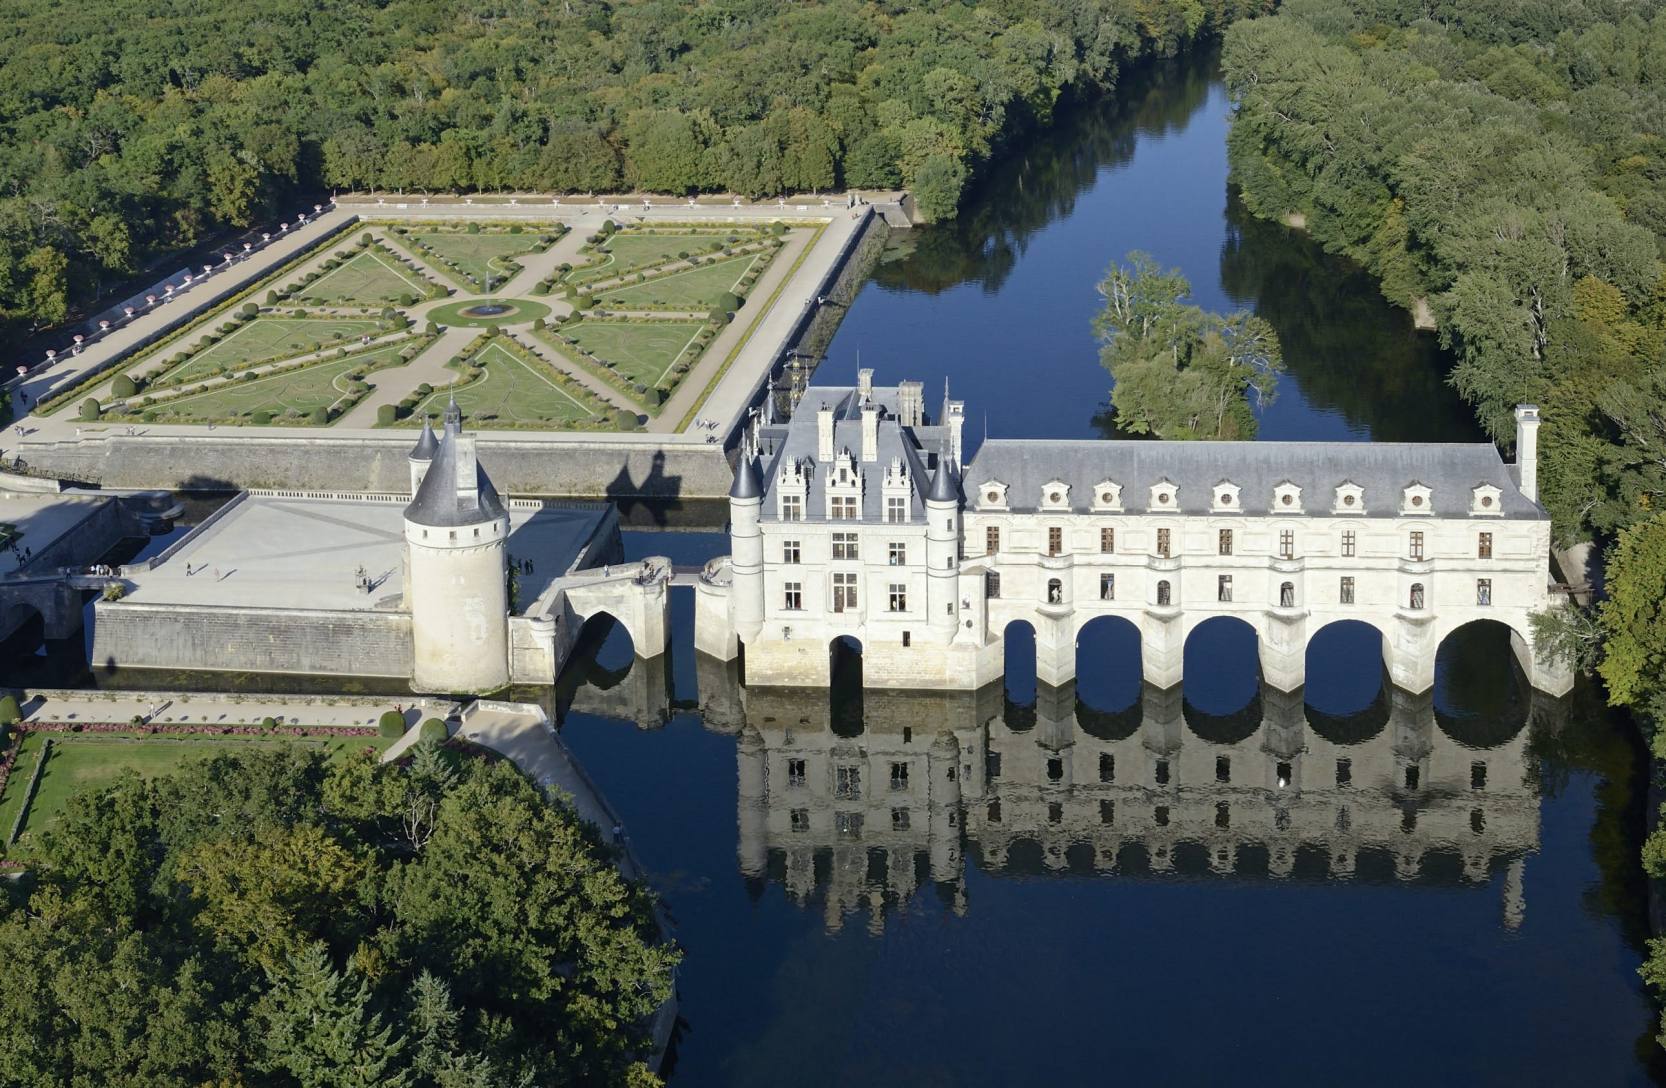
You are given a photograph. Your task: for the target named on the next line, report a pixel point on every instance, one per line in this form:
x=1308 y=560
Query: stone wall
x=131 y=634
x=105 y=526
x=600 y=467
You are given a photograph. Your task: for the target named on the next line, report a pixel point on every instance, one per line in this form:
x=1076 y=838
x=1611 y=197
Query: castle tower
x=943 y=547
x=746 y=565
x=422 y=455
x=456 y=532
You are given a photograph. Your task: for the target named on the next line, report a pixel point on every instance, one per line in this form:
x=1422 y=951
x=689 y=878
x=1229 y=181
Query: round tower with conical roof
x=746 y=563
x=456 y=536
x=943 y=546
x=422 y=454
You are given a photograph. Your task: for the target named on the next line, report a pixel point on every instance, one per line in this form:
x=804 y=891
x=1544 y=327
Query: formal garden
x=500 y=384
x=478 y=258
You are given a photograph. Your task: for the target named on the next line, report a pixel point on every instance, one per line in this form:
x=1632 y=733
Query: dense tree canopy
x=1181 y=372
x=1500 y=163
x=270 y=920
x=130 y=131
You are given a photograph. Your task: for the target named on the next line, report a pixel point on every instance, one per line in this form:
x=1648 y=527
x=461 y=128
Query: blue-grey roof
x=746 y=485
x=1383 y=469
x=448 y=496
x=426 y=444
x=945 y=485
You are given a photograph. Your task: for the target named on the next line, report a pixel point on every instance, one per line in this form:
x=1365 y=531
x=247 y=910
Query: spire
x=945 y=484
x=453 y=416
x=427 y=443
x=747 y=484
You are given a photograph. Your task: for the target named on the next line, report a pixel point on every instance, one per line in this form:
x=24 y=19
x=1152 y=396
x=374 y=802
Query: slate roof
x=426 y=444
x=1383 y=469
x=746 y=485
x=447 y=497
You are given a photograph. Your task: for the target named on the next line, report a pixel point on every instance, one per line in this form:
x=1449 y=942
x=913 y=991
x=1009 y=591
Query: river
x=1219 y=887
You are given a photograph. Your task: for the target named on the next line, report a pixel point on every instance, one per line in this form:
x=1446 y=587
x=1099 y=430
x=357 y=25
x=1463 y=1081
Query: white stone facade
x=851 y=521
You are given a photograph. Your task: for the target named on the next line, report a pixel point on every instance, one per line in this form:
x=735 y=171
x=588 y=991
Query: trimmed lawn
x=692 y=289
x=642 y=350
x=268 y=337
x=629 y=250
x=476 y=256
x=85 y=762
x=369 y=278
x=512 y=390
x=319 y=385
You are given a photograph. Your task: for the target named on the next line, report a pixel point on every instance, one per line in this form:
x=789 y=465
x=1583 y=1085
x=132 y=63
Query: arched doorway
x=1481 y=695
x=844 y=689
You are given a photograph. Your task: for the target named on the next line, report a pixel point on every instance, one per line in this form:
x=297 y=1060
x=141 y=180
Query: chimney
x=824 y=435
x=870 y=432
x=1527 y=449
x=956 y=413
x=864 y=383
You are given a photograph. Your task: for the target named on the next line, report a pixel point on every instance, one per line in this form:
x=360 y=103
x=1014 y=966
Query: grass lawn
x=693 y=289
x=476 y=256
x=370 y=277
x=267 y=338
x=512 y=390
x=642 y=350
x=319 y=385
x=80 y=763
x=629 y=250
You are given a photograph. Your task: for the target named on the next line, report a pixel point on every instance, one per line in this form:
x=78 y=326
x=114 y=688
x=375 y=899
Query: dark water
x=1212 y=885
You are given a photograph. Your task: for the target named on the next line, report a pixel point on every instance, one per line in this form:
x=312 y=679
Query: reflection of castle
x=1154 y=789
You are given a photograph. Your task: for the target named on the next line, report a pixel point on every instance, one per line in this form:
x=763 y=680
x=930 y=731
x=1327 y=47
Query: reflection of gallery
x=1275 y=791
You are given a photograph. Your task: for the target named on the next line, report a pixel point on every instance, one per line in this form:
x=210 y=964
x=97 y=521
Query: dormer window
x=1164 y=495
x=993 y=495
x=1055 y=495
x=1350 y=499
x=1107 y=495
x=1226 y=497
x=1417 y=499
x=1287 y=498
x=1486 y=500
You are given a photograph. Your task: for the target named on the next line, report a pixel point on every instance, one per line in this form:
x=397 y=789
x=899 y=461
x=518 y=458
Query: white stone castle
x=853 y=519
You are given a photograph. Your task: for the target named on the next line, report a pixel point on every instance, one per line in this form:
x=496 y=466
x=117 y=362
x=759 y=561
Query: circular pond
x=484 y=313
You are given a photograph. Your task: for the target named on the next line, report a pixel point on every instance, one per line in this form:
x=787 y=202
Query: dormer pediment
x=1350 y=498
x=1107 y=495
x=1227 y=498
x=1417 y=498
x=992 y=495
x=1486 y=501
x=1055 y=495
x=1287 y=498
x=1165 y=495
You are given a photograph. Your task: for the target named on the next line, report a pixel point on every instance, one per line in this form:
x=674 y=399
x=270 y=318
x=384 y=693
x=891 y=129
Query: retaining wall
x=131 y=634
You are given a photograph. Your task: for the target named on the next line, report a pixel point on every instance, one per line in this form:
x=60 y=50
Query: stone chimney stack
x=870 y=432
x=1527 y=449
x=955 y=413
x=864 y=383
x=824 y=435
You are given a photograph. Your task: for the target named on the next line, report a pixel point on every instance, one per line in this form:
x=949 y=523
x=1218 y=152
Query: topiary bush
x=391 y=724
x=386 y=414
x=433 y=732
x=124 y=386
x=10 y=713
x=268 y=723
x=90 y=409
x=320 y=416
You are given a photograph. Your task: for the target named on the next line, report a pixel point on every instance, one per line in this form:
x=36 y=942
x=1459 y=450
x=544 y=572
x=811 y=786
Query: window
x=1478 y=775
x=991 y=539
x=795 y=772
x=844 y=592
x=1107 y=540
x=907 y=640
x=899 y=776
x=899 y=819
x=1413 y=776
x=1163 y=594
x=1223 y=588
x=1349 y=543
x=844 y=508
x=792 y=508
x=1483 y=546
x=793 y=596
x=847 y=782
x=896 y=508
x=992 y=585
x=789 y=551
x=992 y=765
x=1161 y=772
x=847 y=825
x=898 y=598
x=1225 y=544
x=1287 y=543
x=1055 y=812
x=1055 y=540
x=1416 y=601
x=1107 y=812
x=1223 y=768
x=897 y=554
x=1477 y=819
x=1483 y=591
x=1055 y=591
x=1107 y=587
x=1107 y=767
x=801 y=819
x=1416 y=545
x=1055 y=769
x=994 y=811
x=1347 y=595
x=1163 y=543
x=1344 y=772
x=1287 y=595
x=845 y=546
x=1223 y=814
x=1160 y=815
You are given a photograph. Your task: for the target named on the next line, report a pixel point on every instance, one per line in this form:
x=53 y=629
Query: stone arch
x=636 y=604
x=1346 y=668
x=604 y=649
x=845 y=710
x=1108 y=664
x=1483 y=671
x=1019 y=677
x=1221 y=671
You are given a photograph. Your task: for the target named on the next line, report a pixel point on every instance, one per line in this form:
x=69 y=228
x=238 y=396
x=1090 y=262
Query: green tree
x=1634 y=617
x=320 y=1029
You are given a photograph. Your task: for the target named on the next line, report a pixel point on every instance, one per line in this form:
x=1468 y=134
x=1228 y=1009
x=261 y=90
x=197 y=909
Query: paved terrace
x=270 y=551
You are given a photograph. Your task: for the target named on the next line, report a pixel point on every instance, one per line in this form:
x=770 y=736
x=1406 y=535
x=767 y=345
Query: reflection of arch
x=1110 y=725
x=1481 y=696
x=1344 y=669
x=1108 y=665
x=844 y=691
x=604 y=651
x=1352 y=728
x=1221 y=664
x=1233 y=727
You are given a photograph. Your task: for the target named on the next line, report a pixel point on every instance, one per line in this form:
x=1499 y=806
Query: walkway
x=171 y=708
x=430 y=367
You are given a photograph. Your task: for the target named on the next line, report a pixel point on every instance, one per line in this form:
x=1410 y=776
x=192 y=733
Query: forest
x=276 y=919
x=130 y=134
x=1498 y=166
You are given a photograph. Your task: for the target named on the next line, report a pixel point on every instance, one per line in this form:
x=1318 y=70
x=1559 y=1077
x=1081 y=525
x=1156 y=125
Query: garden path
x=398 y=382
